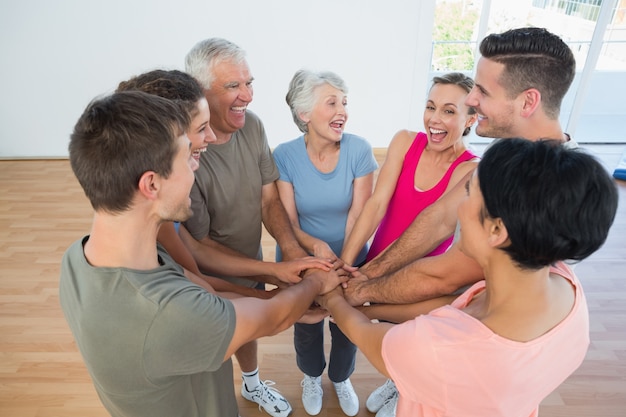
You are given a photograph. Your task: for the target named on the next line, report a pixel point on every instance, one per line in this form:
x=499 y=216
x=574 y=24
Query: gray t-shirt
x=226 y=195
x=153 y=341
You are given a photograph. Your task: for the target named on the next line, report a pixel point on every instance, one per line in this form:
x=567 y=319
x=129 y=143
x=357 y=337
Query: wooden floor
x=43 y=210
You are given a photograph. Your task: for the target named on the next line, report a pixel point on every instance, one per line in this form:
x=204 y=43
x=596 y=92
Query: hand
x=352 y=287
x=343 y=268
x=289 y=271
x=367 y=269
x=313 y=315
x=322 y=250
x=324 y=299
x=269 y=279
x=329 y=280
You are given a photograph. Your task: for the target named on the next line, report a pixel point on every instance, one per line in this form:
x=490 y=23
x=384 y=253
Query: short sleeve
x=364 y=161
x=269 y=171
x=190 y=333
x=281 y=159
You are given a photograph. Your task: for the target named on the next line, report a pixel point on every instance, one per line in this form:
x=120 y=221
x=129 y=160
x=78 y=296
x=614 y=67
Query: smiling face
x=446 y=116
x=200 y=133
x=329 y=115
x=229 y=95
x=496 y=110
x=177 y=186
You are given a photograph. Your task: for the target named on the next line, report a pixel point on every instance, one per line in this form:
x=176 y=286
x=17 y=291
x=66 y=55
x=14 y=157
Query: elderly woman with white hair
x=326 y=176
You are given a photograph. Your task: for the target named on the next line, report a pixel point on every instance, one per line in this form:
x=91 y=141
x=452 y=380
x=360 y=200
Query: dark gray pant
x=308 y=340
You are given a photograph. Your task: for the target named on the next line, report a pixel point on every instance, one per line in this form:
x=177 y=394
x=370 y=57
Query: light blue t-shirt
x=324 y=199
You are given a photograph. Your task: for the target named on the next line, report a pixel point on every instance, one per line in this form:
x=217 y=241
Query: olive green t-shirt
x=153 y=341
x=226 y=194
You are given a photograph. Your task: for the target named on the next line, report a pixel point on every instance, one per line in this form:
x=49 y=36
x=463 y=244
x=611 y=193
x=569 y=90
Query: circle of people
x=462 y=301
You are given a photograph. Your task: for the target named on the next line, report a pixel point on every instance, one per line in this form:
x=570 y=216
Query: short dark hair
x=533 y=58
x=120 y=137
x=173 y=85
x=556 y=203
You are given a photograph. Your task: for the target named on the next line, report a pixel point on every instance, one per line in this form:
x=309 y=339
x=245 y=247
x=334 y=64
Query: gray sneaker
x=312 y=394
x=348 y=400
x=381 y=394
x=389 y=407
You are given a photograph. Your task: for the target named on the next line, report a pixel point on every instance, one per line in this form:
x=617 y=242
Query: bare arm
x=215 y=258
x=258 y=318
x=376 y=206
x=362 y=191
x=423 y=279
x=170 y=240
x=431 y=227
x=277 y=223
x=311 y=244
x=367 y=336
x=172 y=243
x=399 y=313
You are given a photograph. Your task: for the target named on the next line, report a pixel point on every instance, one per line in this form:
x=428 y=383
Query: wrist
x=316 y=277
x=292 y=251
x=360 y=292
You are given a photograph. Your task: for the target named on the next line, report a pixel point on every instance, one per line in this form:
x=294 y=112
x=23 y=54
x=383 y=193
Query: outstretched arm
x=376 y=206
x=215 y=258
x=362 y=192
x=172 y=243
x=311 y=244
x=431 y=227
x=258 y=318
x=399 y=313
x=277 y=223
x=423 y=279
x=367 y=336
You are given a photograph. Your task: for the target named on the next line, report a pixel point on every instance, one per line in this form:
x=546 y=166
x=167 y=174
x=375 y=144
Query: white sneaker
x=348 y=399
x=267 y=398
x=389 y=407
x=381 y=394
x=312 y=394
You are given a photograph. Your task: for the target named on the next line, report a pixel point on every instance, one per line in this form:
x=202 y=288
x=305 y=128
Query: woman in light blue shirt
x=326 y=176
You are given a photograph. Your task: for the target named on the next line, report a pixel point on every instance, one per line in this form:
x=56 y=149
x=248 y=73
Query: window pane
x=454 y=35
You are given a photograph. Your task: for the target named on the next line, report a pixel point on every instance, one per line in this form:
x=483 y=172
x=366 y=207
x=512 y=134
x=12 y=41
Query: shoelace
x=393 y=397
x=310 y=387
x=266 y=387
x=342 y=391
x=389 y=391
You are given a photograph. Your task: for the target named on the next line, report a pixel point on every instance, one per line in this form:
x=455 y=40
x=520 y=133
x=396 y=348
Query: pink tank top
x=407 y=202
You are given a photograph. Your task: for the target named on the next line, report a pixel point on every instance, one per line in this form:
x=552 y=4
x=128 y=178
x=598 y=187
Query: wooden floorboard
x=43 y=210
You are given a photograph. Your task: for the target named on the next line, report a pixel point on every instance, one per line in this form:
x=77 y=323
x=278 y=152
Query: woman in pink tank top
x=419 y=168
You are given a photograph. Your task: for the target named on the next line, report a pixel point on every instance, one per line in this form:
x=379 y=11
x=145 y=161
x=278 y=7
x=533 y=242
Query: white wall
x=58 y=55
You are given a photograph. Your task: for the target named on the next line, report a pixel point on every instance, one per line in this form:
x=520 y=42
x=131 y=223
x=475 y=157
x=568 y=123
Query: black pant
x=308 y=340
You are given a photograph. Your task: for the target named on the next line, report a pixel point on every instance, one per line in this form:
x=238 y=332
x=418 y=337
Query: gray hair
x=203 y=57
x=301 y=95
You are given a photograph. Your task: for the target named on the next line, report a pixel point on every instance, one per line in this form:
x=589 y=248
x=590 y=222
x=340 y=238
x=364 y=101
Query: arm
x=423 y=279
x=258 y=318
x=277 y=223
x=172 y=243
x=311 y=244
x=170 y=240
x=399 y=313
x=431 y=227
x=376 y=206
x=362 y=191
x=218 y=259
x=367 y=336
